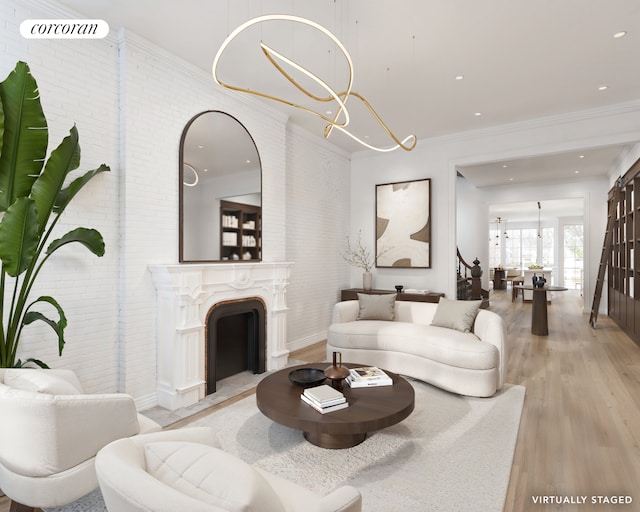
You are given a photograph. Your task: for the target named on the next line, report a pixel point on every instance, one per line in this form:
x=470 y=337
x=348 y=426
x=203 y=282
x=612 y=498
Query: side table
x=539 y=321
x=352 y=294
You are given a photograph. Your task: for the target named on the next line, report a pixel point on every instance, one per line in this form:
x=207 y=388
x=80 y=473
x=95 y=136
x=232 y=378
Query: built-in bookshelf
x=240 y=231
x=623 y=281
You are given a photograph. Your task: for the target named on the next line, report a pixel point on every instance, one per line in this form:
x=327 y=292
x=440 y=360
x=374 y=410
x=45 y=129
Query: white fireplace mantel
x=185 y=295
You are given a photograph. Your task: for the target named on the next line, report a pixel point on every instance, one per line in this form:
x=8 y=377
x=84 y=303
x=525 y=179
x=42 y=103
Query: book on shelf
x=324 y=409
x=368 y=376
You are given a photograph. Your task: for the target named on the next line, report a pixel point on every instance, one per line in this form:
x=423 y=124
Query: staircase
x=469 y=285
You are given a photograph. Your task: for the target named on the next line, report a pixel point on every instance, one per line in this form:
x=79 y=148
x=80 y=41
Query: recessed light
x=248 y=161
x=577 y=172
x=620 y=34
x=510 y=179
x=459 y=77
x=581 y=156
x=504 y=166
x=603 y=87
x=478 y=114
x=200 y=146
x=329 y=112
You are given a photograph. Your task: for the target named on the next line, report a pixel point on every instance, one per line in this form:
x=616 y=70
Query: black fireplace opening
x=235 y=340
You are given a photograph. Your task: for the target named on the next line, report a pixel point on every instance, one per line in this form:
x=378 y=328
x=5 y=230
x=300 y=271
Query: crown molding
x=537 y=123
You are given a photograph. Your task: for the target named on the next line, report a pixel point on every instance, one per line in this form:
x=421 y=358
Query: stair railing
x=472 y=273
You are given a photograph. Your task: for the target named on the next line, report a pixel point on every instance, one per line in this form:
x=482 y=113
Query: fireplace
x=187 y=296
x=235 y=340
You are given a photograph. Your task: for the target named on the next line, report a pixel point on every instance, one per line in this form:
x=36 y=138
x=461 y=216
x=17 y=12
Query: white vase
x=367 y=279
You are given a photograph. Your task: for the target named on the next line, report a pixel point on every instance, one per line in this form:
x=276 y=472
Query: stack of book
x=368 y=376
x=324 y=399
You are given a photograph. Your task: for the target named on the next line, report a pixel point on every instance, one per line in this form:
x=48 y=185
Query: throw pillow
x=376 y=307
x=42 y=381
x=456 y=314
x=210 y=475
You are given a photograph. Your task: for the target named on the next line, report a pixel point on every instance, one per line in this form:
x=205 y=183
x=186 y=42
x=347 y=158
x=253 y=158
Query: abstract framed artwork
x=403 y=224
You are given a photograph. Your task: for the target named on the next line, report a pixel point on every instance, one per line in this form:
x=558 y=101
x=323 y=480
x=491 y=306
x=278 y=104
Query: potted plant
x=33 y=196
x=359 y=256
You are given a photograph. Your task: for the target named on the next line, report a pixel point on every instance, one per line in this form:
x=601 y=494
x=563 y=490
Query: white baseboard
x=146 y=402
x=307 y=341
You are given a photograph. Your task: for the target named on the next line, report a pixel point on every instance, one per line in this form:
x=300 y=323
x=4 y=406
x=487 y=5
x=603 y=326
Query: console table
x=352 y=294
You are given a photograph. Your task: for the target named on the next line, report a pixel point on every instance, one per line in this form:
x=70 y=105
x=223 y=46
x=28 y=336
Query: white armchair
x=183 y=470
x=51 y=431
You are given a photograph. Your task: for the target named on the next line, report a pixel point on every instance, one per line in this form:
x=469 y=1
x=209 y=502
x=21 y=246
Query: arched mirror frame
x=181 y=163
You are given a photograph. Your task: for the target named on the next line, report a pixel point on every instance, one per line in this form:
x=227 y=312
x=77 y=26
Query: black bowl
x=307 y=377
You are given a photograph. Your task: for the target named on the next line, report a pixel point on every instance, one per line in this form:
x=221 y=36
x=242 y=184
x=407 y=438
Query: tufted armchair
x=183 y=470
x=51 y=431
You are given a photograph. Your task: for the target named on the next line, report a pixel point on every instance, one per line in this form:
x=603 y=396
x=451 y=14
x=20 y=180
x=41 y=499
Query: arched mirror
x=220 y=191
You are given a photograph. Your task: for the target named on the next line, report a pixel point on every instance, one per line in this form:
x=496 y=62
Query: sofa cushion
x=41 y=381
x=211 y=476
x=439 y=344
x=456 y=314
x=376 y=307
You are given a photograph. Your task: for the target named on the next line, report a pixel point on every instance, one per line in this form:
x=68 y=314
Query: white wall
x=438 y=158
x=318 y=188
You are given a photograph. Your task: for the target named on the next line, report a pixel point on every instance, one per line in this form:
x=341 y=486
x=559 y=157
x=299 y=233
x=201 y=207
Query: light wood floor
x=580 y=429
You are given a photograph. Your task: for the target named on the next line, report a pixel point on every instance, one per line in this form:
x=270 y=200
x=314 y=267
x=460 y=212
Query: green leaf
x=64 y=159
x=25 y=136
x=1 y=124
x=19 y=236
x=67 y=194
x=58 y=327
x=90 y=238
x=41 y=364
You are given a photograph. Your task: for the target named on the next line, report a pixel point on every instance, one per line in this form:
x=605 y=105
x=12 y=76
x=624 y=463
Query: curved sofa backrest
x=415 y=312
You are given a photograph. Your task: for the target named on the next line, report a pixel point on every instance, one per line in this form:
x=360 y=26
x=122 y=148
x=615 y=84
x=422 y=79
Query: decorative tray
x=307 y=377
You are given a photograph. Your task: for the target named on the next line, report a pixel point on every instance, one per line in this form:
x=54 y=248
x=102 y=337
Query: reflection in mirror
x=220 y=191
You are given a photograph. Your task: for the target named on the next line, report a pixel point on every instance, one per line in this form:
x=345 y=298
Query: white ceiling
x=521 y=59
x=527 y=211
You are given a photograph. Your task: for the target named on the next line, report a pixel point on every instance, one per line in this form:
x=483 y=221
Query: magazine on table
x=368 y=376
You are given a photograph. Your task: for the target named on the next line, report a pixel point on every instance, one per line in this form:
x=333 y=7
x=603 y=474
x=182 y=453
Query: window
x=521 y=248
x=547 y=247
x=573 y=257
x=529 y=247
x=513 y=250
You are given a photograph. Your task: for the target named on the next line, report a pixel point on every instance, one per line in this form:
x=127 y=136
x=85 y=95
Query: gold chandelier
x=342 y=118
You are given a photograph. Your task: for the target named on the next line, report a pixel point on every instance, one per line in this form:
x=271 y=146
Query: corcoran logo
x=64 y=29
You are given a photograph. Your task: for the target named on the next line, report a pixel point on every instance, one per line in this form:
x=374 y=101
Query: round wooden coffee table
x=369 y=409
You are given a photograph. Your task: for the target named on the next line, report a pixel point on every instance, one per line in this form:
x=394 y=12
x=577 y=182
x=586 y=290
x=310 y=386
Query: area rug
x=451 y=453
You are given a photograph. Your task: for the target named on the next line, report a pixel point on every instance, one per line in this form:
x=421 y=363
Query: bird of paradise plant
x=33 y=196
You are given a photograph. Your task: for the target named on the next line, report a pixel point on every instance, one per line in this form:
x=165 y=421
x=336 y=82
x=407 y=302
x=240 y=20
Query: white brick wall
x=318 y=190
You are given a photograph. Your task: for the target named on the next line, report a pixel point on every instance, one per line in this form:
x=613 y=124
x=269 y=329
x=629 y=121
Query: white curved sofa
x=467 y=363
